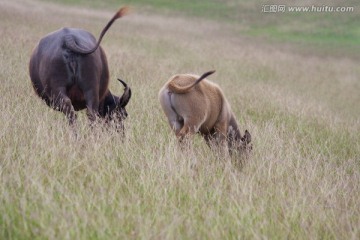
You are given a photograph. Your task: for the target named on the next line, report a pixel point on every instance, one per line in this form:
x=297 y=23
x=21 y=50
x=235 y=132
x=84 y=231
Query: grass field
x=293 y=81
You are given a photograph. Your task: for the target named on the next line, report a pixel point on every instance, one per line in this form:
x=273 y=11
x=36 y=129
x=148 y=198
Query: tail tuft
x=122 y=12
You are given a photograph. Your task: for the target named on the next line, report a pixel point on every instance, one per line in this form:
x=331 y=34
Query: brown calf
x=193 y=104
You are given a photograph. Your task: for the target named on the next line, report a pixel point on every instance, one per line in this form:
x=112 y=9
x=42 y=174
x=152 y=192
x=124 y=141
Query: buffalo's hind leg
x=92 y=104
x=62 y=103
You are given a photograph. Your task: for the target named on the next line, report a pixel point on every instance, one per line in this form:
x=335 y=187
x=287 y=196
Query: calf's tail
x=181 y=90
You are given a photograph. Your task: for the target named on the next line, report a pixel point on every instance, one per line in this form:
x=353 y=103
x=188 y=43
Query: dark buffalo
x=69 y=71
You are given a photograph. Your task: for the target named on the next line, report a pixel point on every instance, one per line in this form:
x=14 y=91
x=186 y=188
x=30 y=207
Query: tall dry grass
x=302 y=180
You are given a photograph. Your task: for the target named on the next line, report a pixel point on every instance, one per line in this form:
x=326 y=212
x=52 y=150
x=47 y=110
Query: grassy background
x=298 y=96
x=336 y=33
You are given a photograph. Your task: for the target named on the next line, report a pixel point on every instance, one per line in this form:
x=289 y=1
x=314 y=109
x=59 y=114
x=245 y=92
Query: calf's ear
x=125 y=98
x=247 y=137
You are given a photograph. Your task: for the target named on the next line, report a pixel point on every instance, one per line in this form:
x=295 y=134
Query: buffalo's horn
x=126 y=95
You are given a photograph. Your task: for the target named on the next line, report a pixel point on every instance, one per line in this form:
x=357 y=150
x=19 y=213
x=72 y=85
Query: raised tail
x=73 y=46
x=181 y=90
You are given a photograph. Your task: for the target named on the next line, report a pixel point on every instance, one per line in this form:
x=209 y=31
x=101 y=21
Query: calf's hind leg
x=190 y=127
x=176 y=122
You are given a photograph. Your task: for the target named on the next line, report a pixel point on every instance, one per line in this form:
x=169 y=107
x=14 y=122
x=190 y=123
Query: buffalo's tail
x=73 y=46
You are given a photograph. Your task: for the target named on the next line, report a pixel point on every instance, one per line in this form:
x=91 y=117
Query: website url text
x=312 y=9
